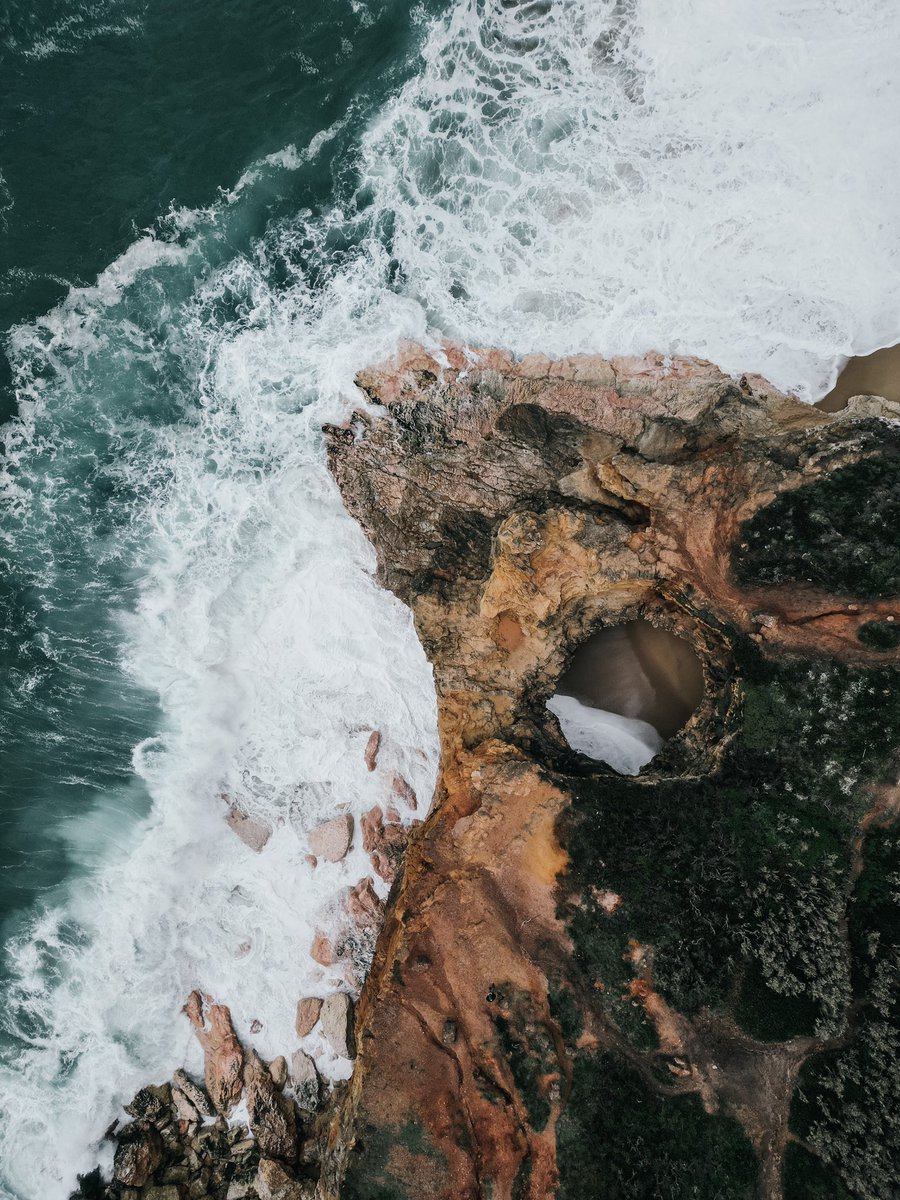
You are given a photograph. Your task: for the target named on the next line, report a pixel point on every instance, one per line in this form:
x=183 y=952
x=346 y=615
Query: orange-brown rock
x=308 y=1010
x=223 y=1055
x=517 y=507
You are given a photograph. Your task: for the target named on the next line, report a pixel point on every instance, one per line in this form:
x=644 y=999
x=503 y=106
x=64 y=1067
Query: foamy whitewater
x=613 y=177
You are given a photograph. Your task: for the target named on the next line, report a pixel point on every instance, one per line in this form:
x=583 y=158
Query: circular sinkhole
x=628 y=689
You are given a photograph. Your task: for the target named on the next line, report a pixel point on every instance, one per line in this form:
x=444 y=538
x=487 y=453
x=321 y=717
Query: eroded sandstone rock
x=518 y=507
x=223 y=1054
x=308 y=1010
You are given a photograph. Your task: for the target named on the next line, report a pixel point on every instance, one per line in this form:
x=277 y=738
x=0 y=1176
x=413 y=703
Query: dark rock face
x=591 y=985
x=138 y=1153
x=271 y=1115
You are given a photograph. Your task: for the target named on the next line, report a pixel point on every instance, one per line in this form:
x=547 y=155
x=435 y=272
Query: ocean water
x=211 y=217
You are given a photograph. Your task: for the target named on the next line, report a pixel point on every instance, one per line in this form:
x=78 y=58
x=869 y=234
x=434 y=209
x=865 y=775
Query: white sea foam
x=675 y=175
x=580 y=176
x=624 y=743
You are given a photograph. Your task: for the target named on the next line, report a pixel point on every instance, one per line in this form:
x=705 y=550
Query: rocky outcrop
x=542 y=965
x=270 y=1114
x=384 y=842
x=174 y=1150
x=223 y=1054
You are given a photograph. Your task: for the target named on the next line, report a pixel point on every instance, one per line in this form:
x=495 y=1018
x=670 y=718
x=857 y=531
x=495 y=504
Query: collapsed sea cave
x=627 y=690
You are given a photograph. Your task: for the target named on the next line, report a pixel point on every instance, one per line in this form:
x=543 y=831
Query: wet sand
x=875 y=374
x=636 y=670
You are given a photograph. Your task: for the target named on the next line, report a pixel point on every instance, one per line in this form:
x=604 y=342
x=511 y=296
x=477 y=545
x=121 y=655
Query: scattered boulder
x=331 y=840
x=279 y=1071
x=308 y=1010
x=373 y=745
x=253 y=831
x=337 y=1024
x=322 y=950
x=305 y=1079
x=138 y=1154
x=194 y=1093
x=270 y=1114
x=151 y=1103
x=184 y=1110
x=224 y=1056
x=383 y=843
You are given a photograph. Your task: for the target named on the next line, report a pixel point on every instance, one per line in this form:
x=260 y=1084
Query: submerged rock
x=253 y=831
x=372 y=747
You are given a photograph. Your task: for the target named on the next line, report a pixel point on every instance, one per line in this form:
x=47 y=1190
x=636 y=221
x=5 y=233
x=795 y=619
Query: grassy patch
x=838 y=533
x=619 y=1141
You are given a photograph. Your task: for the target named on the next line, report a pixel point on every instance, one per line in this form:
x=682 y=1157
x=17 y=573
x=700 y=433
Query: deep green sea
x=212 y=215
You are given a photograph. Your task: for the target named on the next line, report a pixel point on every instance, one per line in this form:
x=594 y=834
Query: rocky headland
x=682 y=983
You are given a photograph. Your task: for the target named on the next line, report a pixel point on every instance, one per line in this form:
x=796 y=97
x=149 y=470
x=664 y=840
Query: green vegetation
x=744 y=871
x=880 y=635
x=369 y=1175
x=742 y=885
x=839 y=533
x=848 y=1104
x=618 y=1141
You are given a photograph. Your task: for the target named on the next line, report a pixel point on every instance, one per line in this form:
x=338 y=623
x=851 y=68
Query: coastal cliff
x=679 y=983
x=590 y=985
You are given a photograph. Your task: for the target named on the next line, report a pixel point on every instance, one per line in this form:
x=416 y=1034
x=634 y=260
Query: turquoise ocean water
x=211 y=216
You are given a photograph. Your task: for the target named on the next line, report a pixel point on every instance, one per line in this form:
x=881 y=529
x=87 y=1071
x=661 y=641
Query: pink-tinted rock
x=372 y=747
x=223 y=1055
x=252 y=831
x=384 y=843
x=364 y=906
x=278 y=1069
x=308 y=1010
x=404 y=792
x=322 y=949
x=331 y=840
